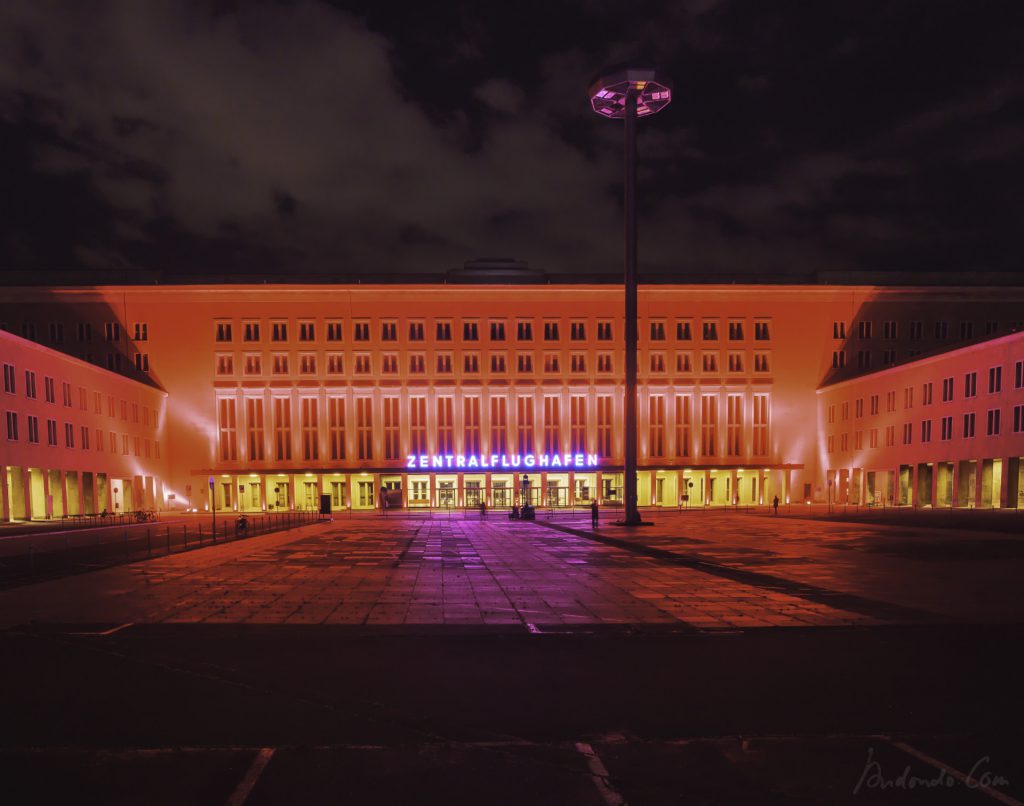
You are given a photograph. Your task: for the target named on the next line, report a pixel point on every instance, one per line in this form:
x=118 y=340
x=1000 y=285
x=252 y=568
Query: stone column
x=935 y=484
x=707 y=486
x=47 y=494
x=4 y=497
x=26 y=491
x=734 y=493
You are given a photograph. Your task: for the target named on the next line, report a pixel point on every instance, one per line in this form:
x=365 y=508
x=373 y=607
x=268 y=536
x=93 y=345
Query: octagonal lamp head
x=608 y=91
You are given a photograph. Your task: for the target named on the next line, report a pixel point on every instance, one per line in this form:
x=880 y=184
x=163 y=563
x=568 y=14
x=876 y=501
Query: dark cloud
x=350 y=139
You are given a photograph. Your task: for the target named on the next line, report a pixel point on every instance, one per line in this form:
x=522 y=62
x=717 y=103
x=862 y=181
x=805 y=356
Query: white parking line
x=252 y=775
x=953 y=772
x=600 y=775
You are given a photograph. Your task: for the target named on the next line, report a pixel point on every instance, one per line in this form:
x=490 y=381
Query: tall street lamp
x=627 y=93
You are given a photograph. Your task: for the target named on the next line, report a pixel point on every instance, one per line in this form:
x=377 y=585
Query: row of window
x=970 y=390
x=689 y=424
x=141 y=446
x=472 y=330
x=444 y=363
x=55 y=331
x=993 y=425
x=915 y=329
x=67 y=396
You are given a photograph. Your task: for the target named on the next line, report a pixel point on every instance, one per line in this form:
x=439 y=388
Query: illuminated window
x=416 y=330
x=254 y=428
x=735 y=330
x=524 y=425
x=499 y=425
x=391 y=428
x=604 y=426
x=604 y=331
x=578 y=423
x=578 y=362
x=709 y=330
x=498 y=331
x=444 y=330
x=709 y=362
x=253 y=364
x=684 y=362
x=657 y=331
x=361 y=330
x=362 y=366
x=307 y=331
x=310 y=429
x=578 y=331
x=735 y=362
x=684 y=435
x=524 y=363
x=471 y=425
x=970 y=384
x=389 y=331
x=227 y=430
x=551 y=363
x=279 y=364
x=334 y=331
x=336 y=426
x=470 y=363
x=470 y=331
x=279 y=331
x=498 y=364
x=364 y=427
x=992 y=429
x=656 y=426
x=551 y=331
x=969 y=425
x=335 y=364
x=418 y=425
x=552 y=423
x=282 y=429
x=604 y=362
x=762 y=330
x=761 y=362
x=417 y=364
x=995 y=380
x=445 y=426
x=389 y=364
x=307 y=363
x=524 y=330
x=760 y=432
x=708 y=425
x=444 y=363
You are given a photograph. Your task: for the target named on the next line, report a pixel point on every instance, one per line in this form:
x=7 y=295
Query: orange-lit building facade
x=445 y=395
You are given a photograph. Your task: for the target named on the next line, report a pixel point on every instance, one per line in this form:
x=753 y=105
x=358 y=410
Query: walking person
x=775 y=503
x=483 y=509
x=594 y=514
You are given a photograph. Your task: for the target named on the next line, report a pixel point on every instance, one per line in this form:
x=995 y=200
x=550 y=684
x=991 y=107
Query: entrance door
x=446 y=494
x=365 y=490
x=473 y=494
x=311 y=495
x=501 y=495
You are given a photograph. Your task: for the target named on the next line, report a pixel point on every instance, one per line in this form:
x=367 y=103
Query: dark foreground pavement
x=194 y=713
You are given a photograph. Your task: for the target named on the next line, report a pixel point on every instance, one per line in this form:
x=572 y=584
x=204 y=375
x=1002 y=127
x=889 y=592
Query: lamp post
x=627 y=93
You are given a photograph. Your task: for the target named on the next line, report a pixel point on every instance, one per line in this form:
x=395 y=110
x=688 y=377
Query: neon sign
x=503 y=460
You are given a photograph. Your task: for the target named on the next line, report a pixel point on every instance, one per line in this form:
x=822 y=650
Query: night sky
x=283 y=139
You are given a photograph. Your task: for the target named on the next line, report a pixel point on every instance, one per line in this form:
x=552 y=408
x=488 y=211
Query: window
x=916 y=330
x=416 y=331
x=69 y=436
x=656 y=426
x=524 y=425
x=708 y=425
x=761 y=330
x=890 y=436
x=361 y=330
x=470 y=331
x=578 y=331
x=497 y=331
x=578 y=424
x=418 y=425
x=992 y=427
x=873 y=437
x=524 y=362
x=524 y=331
x=389 y=364
x=684 y=363
x=251 y=331
x=254 y=428
x=279 y=331
x=364 y=427
x=417 y=364
x=551 y=331
x=33 y=429
x=864 y=329
x=307 y=331
x=838 y=359
x=336 y=426
x=839 y=330
x=135 y=412
x=969 y=425
x=863 y=359
x=389 y=331
x=970 y=384
x=966 y=330
x=142 y=362
x=874 y=404
x=66 y=390
x=391 y=428
x=684 y=406
x=908 y=433
x=889 y=330
x=551 y=362
x=225 y=364
x=760 y=433
x=908 y=397
x=334 y=332
x=579 y=362
x=761 y=362
x=709 y=362
x=10 y=384
x=604 y=331
x=1018 y=375
x=947 y=428
x=657 y=331
x=709 y=330
x=552 y=424
x=926 y=394
x=735 y=362
x=947 y=390
x=657 y=362
x=307 y=363
x=736 y=330
x=226 y=430
x=890 y=401
x=445 y=426
x=335 y=364
x=282 y=429
x=845 y=410
x=444 y=363
x=30 y=384
x=51 y=434
x=141 y=331
x=470 y=363
x=995 y=380
x=858 y=407
x=253 y=364
x=604 y=426
x=941 y=330
x=499 y=425
x=604 y=362
x=84 y=332
x=280 y=364
x=443 y=331
x=1018 y=418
